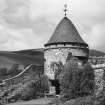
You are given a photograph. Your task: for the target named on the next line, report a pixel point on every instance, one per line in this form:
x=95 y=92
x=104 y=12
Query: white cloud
x=30 y=23
x=97 y=37
x=12 y=39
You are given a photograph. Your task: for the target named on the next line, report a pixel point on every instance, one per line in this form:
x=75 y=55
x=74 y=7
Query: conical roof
x=65 y=32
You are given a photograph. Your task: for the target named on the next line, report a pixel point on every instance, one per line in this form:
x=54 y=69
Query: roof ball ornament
x=65 y=10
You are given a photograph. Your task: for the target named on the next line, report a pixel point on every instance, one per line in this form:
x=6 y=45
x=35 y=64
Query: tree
x=87 y=83
x=77 y=82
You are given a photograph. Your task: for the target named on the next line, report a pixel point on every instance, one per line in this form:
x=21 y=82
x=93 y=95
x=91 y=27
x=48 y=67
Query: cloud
x=10 y=39
x=18 y=31
x=16 y=13
x=97 y=38
x=30 y=23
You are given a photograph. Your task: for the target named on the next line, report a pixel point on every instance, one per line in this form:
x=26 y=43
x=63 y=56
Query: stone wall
x=56 y=55
x=99 y=80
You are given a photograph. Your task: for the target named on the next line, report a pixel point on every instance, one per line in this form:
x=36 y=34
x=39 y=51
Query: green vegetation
x=7 y=73
x=77 y=81
x=77 y=84
x=29 y=86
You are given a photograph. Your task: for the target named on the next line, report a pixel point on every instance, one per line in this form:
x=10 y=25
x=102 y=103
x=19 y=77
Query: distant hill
x=29 y=56
x=31 y=52
x=23 y=58
x=96 y=53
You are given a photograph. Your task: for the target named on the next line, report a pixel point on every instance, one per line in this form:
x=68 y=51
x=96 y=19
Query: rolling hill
x=96 y=53
x=31 y=56
x=23 y=58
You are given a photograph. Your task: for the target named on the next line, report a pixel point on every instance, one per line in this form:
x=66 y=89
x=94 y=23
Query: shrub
x=77 y=82
x=80 y=101
x=87 y=83
x=34 y=89
x=44 y=83
x=100 y=98
x=30 y=89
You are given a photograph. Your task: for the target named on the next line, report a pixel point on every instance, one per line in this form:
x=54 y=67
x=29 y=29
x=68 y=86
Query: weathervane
x=65 y=10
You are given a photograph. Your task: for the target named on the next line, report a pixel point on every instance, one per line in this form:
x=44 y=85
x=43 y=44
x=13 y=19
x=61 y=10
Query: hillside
x=23 y=58
x=31 y=56
x=9 y=60
x=96 y=53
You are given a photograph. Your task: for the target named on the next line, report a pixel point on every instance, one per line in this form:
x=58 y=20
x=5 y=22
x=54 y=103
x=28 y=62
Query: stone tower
x=64 y=43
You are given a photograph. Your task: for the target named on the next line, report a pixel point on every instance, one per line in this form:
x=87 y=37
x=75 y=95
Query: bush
x=30 y=89
x=87 y=100
x=77 y=82
x=80 y=101
x=87 y=83
x=34 y=89
x=100 y=98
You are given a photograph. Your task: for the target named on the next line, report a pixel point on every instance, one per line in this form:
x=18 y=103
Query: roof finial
x=65 y=10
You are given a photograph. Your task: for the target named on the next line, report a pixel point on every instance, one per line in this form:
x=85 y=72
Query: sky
x=28 y=24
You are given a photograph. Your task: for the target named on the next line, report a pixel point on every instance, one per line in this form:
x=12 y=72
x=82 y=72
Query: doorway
x=56 y=84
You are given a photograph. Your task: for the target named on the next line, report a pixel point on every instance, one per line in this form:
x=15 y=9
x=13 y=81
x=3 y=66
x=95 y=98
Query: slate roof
x=65 y=32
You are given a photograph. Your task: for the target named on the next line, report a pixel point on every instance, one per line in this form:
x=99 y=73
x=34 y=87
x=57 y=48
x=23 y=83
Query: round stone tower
x=64 y=43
